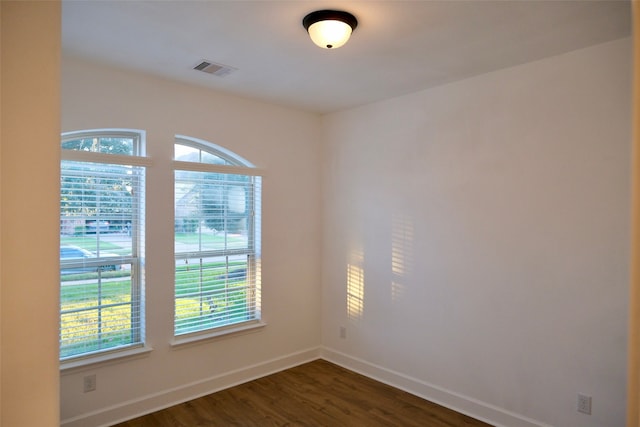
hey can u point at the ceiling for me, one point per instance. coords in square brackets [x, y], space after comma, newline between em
[399, 47]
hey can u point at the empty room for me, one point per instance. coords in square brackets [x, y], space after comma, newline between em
[200, 194]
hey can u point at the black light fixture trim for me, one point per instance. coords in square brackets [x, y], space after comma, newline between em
[327, 15]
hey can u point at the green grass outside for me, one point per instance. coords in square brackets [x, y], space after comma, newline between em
[211, 240]
[90, 243]
[202, 297]
[92, 275]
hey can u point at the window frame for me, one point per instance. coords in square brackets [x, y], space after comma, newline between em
[234, 165]
[137, 161]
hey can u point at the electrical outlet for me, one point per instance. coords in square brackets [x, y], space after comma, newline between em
[584, 404]
[343, 332]
[89, 383]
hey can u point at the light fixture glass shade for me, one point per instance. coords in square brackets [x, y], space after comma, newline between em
[330, 34]
[329, 29]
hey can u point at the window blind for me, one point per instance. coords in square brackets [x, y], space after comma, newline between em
[101, 229]
[216, 247]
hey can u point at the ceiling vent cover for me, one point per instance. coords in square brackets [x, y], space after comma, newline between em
[210, 67]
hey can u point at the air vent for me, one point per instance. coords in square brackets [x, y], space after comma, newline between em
[212, 68]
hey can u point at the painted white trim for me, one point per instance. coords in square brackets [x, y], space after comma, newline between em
[465, 405]
[92, 361]
[114, 159]
[164, 399]
[208, 167]
[161, 400]
[224, 332]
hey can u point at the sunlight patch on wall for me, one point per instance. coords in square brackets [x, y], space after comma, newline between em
[401, 252]
[257, 295]
[355, 286]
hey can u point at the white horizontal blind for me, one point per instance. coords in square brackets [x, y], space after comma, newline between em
[101, 235]
[216, 249]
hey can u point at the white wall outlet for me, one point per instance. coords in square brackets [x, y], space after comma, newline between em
[343, 332]
[584, 404]
[89, 383]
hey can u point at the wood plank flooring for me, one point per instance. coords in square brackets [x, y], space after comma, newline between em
[317, 393]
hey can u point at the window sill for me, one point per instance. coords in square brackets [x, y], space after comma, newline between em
[183, 340]
[116, 356]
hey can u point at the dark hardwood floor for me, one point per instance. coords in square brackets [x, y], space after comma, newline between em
[318, 393]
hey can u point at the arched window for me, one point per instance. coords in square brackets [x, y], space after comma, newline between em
[217, 239]
[101, 241]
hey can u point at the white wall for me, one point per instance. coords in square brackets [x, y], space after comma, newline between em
[282, 141]
[480, 227]
[484, 224]
[29, 202]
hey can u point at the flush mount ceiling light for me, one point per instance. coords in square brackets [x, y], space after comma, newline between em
[329, 29]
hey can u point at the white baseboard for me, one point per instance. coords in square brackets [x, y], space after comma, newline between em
[459, 403]
[164, 399]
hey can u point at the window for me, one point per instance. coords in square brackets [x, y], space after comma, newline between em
[217, 239]
[102, 187]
